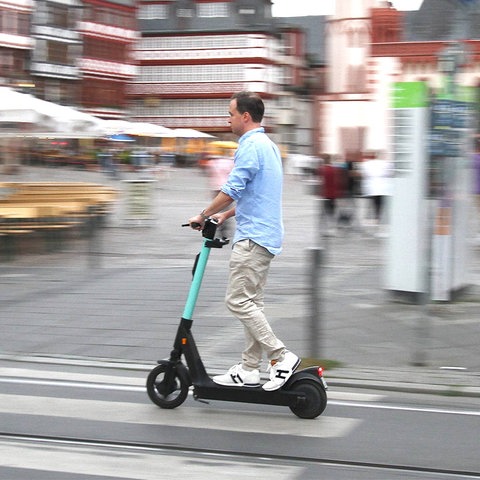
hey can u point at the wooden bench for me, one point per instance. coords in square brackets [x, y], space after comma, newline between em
[51, 208]
[33, 211]
[75, 201]
[14, 231]
[8, 227]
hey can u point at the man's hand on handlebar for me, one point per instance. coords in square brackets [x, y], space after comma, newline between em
[220, 217]
[197, 222]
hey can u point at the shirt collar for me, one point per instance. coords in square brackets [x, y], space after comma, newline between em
[250, 133]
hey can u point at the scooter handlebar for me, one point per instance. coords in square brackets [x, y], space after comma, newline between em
[209, 228]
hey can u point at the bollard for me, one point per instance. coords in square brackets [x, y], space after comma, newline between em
[422, 329]
[94, 239]
[315, 256]
[421, 334]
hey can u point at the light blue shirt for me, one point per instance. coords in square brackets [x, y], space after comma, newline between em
[255, 183]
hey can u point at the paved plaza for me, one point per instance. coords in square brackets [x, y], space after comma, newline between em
[118, 297]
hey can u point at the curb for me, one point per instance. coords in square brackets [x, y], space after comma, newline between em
[405, 387]
[442, 381]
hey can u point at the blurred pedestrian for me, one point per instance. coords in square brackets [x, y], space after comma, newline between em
[353, 188]
[332, 187]
[376, 184]
[218, 168]
[255, 184]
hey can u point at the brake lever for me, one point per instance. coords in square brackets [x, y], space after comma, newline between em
[193, 225]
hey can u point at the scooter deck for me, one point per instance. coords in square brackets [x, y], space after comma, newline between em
[212, 391]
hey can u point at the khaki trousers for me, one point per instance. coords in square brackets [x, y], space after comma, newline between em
[249, 265]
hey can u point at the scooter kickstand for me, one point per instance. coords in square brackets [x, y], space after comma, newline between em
[200, 400]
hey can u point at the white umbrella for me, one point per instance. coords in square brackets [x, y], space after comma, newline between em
[115, 127]
[190, 133]
[16, 107]
[42, 118]
[145, 129]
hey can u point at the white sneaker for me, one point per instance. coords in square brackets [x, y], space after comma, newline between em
[238, 377]
[280, 372]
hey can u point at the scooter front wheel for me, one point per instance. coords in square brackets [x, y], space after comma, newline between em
[315, 399]
[167, 388]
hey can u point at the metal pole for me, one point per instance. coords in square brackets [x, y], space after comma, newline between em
[94, 239]
[315, 256]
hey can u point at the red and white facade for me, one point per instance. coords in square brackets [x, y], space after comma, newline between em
[365, 56]
[15, 41]
[354, 107]
[184, 80]
[107, 64]
[71, 52]
[186, 77]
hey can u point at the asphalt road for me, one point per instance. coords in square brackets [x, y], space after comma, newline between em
[74, 422]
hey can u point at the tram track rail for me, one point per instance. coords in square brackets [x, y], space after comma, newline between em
[164, 448]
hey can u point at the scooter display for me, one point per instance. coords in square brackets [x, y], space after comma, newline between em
[168, 384]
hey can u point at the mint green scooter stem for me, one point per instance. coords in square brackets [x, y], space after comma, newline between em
[197, 280]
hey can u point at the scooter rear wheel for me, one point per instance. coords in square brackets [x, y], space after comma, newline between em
[166, 393]
[315, 399]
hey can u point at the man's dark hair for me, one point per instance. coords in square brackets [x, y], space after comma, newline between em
[250, 102]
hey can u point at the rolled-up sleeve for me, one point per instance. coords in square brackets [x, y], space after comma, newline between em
[245, 168]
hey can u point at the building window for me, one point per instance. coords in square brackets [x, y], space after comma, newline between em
[153, 11]
[108, 16]
[191, 73]
[14, 23]
[203, 42]
[100, 49]
[59, 16]
[102, 93]
[211, 10]
[57, 52]
[56, 15]
[52, 15]
[184, 13]
[187, 108]
[23, 24]
[6, 62]
[8, 22]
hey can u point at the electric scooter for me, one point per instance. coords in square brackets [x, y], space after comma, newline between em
[168, 383]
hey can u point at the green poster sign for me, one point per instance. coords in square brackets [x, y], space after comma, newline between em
[410, 95]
